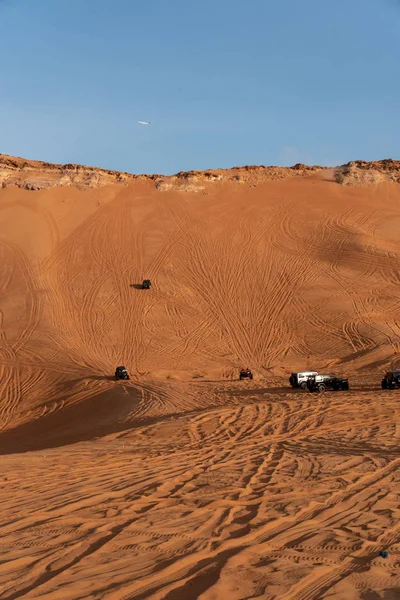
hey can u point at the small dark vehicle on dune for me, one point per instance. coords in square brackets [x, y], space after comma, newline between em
[146, 284]
[121, 373]
[245, 374]
[391, 380]
[321, 383]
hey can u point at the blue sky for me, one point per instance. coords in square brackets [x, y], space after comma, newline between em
[223, 82]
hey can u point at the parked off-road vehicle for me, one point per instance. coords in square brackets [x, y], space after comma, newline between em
[321, 383]
[299, 379]
[121, 373]
[391, 380]
[245, 374]
[146, 284]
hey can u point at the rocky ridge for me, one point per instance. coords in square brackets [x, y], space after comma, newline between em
[38, 175]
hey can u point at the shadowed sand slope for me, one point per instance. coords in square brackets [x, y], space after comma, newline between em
[183, 482]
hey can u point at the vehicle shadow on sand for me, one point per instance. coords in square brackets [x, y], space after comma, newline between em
[67, 386]
[279, 391]
[85, 418]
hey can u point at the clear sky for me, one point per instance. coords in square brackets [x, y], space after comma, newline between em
[223, 82]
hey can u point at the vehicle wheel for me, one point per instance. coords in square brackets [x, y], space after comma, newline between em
[303, 385]
[398, 380]
[321, 387]
[251, 376]
[346, 387]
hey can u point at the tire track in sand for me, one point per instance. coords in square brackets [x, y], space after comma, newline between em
[190, 565]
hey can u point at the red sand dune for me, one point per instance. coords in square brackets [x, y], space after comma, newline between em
[183, 482]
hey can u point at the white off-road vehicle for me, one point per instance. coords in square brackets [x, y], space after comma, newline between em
[299, 380]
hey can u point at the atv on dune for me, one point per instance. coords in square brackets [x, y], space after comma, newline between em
[121, 373]
[391, 380]
[245, 374]
[146, 284]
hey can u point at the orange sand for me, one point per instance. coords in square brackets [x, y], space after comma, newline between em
[183, 482]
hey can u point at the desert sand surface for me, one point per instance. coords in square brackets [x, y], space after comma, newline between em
[183, 482]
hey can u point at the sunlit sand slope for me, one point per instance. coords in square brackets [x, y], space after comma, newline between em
[183, 482]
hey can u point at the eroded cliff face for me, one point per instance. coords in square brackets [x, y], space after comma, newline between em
[38, 175]
[377, 171]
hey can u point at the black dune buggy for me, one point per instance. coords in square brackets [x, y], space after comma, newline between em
[121, 373]
[391, 380]
[245, 374]
[146, 284]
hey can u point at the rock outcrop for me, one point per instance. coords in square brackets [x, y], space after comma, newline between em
[38, 175]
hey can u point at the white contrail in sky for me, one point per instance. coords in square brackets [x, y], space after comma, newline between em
[144, 122]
